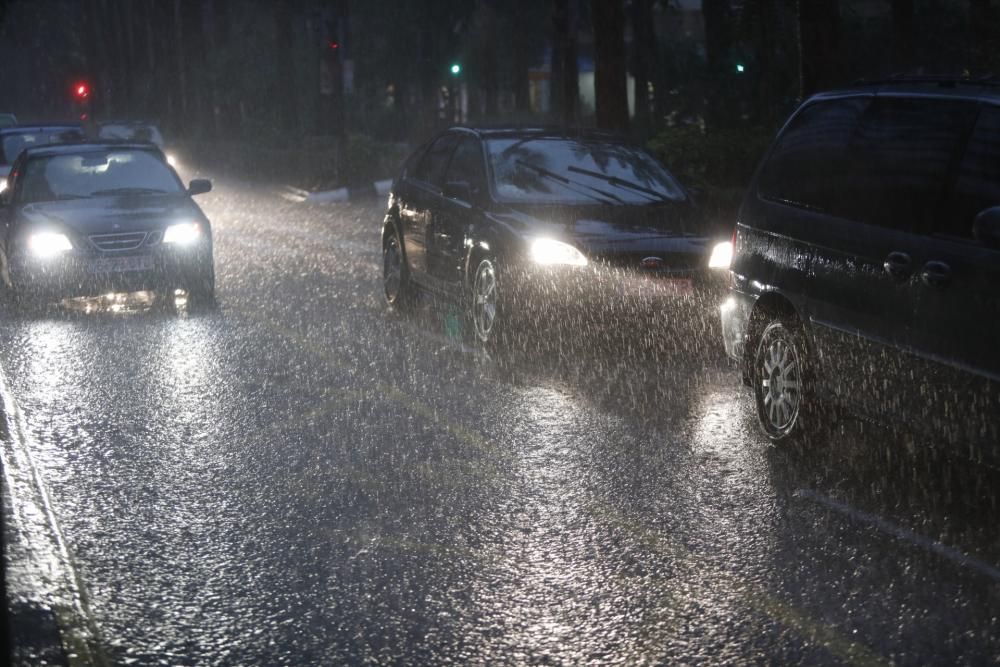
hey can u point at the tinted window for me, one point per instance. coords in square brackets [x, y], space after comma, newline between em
[550, 170]
[467, 165]
[977, 182]
[435, 161]
[900, 160]
[807, 165]
[96, 174]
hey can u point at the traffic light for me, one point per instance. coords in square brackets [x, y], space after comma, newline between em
[81, 91]
[740, 68]
[456, 69]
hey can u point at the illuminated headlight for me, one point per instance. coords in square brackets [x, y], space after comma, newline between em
[171, 159]
[48, 244]
[722, 255]
[3, 183]
[550, 252]
[184, 233]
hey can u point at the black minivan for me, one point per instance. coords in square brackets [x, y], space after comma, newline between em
[866, 265]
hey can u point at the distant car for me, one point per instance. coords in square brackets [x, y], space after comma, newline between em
[134, 131]
[13, 140]
[508, 221]
[867, 265]
[7, 120]
[86, 219]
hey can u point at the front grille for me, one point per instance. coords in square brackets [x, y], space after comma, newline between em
[112, 242]
[673, 263]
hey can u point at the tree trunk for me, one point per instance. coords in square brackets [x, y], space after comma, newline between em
[287, 105]
[902, 35]
[181, 73]
[610, 77]
[819, 41]
[565, 83]
[981, 20]
[644, 59]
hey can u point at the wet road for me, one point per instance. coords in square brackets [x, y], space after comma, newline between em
[301, 477]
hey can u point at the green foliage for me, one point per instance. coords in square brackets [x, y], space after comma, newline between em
[719, 157]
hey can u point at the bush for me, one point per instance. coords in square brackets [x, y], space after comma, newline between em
[716, 158]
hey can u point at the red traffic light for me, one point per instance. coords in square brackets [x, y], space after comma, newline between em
[81, 90]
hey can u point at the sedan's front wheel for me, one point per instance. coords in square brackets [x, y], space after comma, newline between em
[484, 306]
[786, 406]
[395, 277]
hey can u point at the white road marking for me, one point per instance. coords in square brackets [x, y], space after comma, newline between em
[901, 533]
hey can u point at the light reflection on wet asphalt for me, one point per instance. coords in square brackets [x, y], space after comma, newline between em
[301, 477]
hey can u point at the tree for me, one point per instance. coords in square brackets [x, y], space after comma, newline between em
[902, 35]
[565, 85]
[643, 60]
[982, 21]
[819, 43]
[610, 78]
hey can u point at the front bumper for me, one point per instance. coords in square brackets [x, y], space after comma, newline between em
[74, 273]
[735, 311]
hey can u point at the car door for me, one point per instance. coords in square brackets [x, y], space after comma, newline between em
[958, 312]
[422, 194]
[456, 211]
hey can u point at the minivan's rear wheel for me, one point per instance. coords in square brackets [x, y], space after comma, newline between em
[395, 278]
[781, 382]
[484, 306]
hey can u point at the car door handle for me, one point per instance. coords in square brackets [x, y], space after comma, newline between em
[936, 274]
[898, 264]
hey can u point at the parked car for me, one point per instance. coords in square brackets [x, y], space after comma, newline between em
[136, 131]
[512, 221]
[86, 219]
[13, 140]
[866, 264]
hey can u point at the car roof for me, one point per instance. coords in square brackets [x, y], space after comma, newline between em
[985, 89]
[88, 147]
[24, 129]
[538, 131]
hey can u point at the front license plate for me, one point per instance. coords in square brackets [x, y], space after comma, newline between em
[122, 264]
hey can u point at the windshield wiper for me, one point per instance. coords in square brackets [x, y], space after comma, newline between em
[129, 191]
[620, 182]
[595, 193]
[70, 195]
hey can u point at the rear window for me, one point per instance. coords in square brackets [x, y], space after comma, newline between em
[16, 142]
[131, 132]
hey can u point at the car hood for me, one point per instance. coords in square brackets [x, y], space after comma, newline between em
[653, 229]
[98, 215]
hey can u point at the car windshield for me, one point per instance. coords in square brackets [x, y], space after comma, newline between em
[131, 132]
[15, 142]
[555, 170]
[92, 174]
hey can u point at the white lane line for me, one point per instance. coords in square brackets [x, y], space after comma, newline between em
[901, 533]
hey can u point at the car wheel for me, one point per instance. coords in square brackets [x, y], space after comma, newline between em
[781, 377]
[201, 289]
[484, 302]
[395, 276]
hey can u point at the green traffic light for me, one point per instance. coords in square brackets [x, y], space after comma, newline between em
[740, 68]
[456, 69]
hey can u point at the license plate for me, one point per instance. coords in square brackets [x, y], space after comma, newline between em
[122, 264]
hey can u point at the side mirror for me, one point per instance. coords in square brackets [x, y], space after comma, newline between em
[460, 190]
[199, 186]
[986, 227]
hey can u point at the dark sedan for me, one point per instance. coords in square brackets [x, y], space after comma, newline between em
[504, 221]
[86, 219]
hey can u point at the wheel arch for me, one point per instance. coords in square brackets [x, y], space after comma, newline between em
[768, 307]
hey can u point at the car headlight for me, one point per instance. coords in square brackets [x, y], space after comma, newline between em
[171, 159]
[550, 252]
[48, 244]
[3, 183]
[722, 255]
[184, 233]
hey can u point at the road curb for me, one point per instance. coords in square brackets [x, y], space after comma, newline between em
[45, 597]
[378, 188]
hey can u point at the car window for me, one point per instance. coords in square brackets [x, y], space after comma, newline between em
[16, 142]
[977, 181]
[900, 159]
[131, 132]
[108, 173]
[435, 161]
[807, 165]
[467, 165]
[561, 170]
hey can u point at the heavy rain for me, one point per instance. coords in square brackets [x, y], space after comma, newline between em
[477, 332]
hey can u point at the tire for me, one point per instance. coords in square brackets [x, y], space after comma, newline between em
[396, 286]
[781, 375]
[201, 289]
[485, 310]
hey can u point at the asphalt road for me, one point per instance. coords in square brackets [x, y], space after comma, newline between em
[302, 477]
